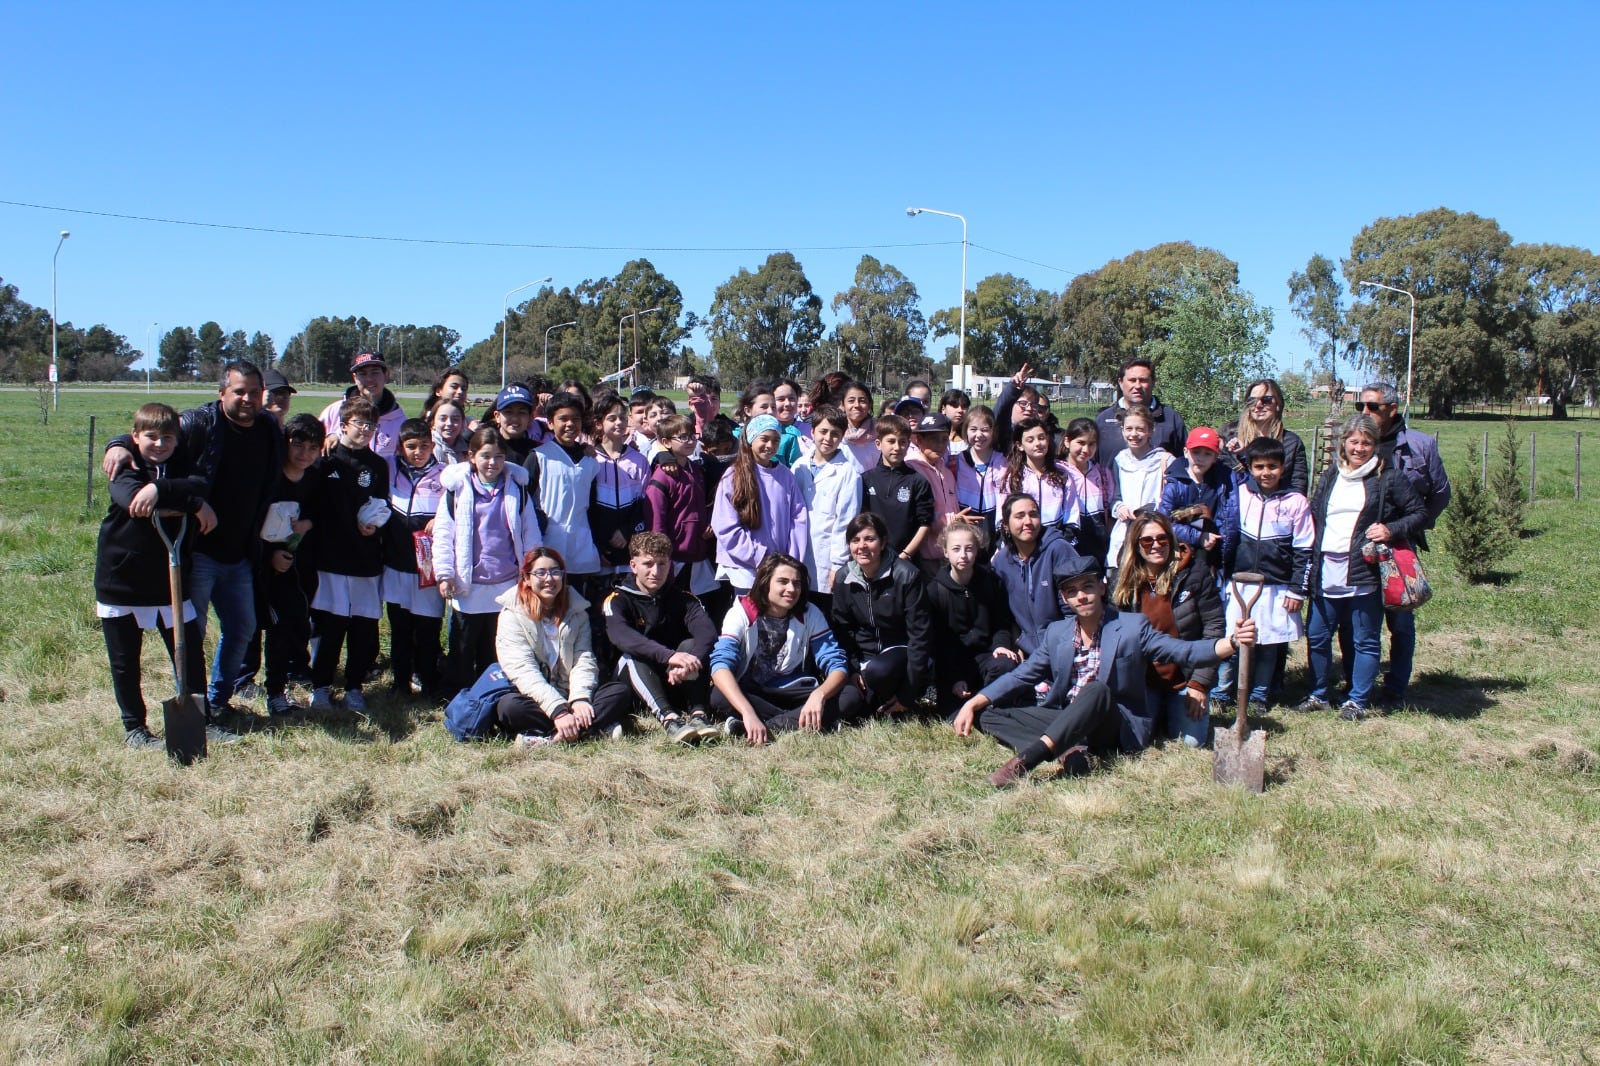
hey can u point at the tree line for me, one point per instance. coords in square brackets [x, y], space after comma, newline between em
[1493, 318]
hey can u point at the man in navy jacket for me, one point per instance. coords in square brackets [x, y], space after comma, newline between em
[1094, 661]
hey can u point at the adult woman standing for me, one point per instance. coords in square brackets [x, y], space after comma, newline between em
[1358, 501]
[543, 643]
[1263, 417]
[1158, 577]
[882, 619]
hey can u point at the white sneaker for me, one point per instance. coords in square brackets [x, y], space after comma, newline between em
[614, 733]
[322, 699]
[354, 700]
[525, 741]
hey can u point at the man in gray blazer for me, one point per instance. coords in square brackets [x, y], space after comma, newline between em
[1094, 661]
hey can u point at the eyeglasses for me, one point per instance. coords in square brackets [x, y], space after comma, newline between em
[1263, 401]
[364, 427]
[547, 574]
[679, 437]
[1368, 405]
[1159, 540]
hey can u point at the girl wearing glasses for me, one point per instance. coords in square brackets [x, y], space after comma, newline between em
[1159, 578]
[1263, 417]
[543, 643]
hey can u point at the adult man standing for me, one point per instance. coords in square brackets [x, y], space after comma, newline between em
[1136, 384]
[371, 376]
[239, 449]
[1416, 456]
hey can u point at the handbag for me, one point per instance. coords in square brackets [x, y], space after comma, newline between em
[1405, 586]
[1400, 577]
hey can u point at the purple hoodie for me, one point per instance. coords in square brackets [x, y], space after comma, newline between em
[785, 525]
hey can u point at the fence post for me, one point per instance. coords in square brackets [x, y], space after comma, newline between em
[1533, 462]
[1483, 464]
[1577, 468]
[88, 486]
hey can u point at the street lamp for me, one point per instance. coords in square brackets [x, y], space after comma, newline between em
[961, 351]
[505, 309]
[155, 327]
[55, 374]
[1411, 336]
[380, 341]
[558, 325]
[620, 321]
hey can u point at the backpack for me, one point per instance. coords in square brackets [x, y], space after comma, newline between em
[470, 716]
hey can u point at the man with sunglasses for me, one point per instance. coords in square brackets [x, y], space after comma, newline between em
[1136, 384]
[1416, 456]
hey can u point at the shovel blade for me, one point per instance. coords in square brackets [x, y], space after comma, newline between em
[183, 719]
[1241, 763]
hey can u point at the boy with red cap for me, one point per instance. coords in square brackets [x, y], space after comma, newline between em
[371, 376]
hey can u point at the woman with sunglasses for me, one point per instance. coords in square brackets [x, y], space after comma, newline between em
[1158, 577]
[543, 642]
[1263, 417]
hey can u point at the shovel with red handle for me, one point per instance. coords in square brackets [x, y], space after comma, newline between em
[1241, 753]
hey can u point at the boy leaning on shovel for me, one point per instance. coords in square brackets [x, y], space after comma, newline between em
[1094, 661]
[130, 567]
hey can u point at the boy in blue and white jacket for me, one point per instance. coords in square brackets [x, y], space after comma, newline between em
[1267, 529]
[416, 613]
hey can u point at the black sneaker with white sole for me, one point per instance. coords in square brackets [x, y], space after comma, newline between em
[141, 739]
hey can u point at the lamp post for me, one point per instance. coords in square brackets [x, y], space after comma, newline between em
[380, 340]
[155, 327]
[620, 321]
[505, 310]
[558, 325]
[1411, 336]
[55, 374]
[961, 351]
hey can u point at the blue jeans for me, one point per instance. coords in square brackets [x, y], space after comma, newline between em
[1266, 674]
[1364, 615]
[1170, 709]
[1402, 650]
[230, 588]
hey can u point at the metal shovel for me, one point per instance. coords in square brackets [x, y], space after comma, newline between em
[184, 716]
[1241, 753]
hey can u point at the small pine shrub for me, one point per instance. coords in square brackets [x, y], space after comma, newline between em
[1505, 486]
[1473, 534]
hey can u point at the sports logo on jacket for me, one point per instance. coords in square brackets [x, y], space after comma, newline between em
[364, 479]
[903, 494]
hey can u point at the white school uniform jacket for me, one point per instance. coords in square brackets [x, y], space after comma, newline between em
[832, 491]
[564, 492]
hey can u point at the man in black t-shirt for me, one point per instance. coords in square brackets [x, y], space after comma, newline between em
[239, 449]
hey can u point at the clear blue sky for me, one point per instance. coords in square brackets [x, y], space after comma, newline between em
[1269, 132]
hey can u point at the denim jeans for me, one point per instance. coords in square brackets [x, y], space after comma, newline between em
[230, 588]
[1402, 650]
[1364, 614]
[1170, 711]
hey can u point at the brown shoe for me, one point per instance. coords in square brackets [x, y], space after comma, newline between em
[1075, 761]
[1010, 774]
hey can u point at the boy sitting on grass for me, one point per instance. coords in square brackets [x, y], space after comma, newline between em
[663, 639]
[130, 567]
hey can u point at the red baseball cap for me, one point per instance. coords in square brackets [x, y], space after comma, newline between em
[1204, 437]
[367, 359]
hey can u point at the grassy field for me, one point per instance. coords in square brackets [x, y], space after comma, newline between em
[1416, 888]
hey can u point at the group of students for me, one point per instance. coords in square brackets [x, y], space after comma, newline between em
[811, 562]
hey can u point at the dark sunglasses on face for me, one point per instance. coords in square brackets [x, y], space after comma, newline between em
[1151, 542]
[1263, 401]
[1368, 405]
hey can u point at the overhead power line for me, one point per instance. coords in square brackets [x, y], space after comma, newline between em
[461, 243]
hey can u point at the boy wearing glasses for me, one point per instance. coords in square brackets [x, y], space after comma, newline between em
[354, 504]
[1267, 529]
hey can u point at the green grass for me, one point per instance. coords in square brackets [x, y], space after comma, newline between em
[1418, 888]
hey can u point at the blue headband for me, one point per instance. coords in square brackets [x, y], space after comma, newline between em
[762, 424]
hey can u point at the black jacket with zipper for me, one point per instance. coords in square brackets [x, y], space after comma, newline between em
[889, 611]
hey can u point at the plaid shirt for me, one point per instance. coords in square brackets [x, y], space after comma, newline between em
[1085, 665]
